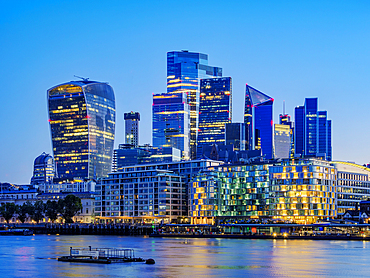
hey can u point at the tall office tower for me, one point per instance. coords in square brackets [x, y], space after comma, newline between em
[215, 110]
[82, 119]
[132, 128]
[285, 120]
[282, 141]
[184, 70]
[258, 121]
[235, 135]
[171, 122]
[312, 131]
[43, 169]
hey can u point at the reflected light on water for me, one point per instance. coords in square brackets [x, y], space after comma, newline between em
[23, 256]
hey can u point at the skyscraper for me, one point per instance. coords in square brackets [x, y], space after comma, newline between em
[312, 131]
[43, 169]
[285, 120]
[184, 70]
[282, 141]
[215, 110]
[171, 122]
[82, 120]
[258, 121]
[132, 128]
[235, 135]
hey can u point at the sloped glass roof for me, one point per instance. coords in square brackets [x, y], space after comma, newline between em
[257, 97]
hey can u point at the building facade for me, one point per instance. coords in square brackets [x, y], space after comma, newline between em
[302, 190]
[229, 191]
[353, 185]
[312, 131]
[127, 155]
[171, 122]
[43, 170]
[282, 141]
[132, 128]
[284, 119]
[82, 122]
[148, 192]
[184, 70]
[258, 119]
[215, 111]
[235, 135]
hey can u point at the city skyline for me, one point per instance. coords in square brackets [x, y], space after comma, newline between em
[297, 51]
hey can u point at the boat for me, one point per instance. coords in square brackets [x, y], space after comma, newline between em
[103, 256]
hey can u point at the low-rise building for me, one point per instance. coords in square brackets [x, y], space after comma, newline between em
[148, 192]
[302, 190]
[353, 185]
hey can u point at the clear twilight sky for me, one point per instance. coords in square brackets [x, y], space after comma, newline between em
[287, 49]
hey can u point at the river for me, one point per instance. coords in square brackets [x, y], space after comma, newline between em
[35, 256]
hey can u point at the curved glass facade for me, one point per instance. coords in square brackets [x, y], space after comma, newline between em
[82, 121]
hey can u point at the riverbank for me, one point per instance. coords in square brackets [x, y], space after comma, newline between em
[286, 237]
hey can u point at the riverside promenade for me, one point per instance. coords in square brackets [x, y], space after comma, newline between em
[323, 231]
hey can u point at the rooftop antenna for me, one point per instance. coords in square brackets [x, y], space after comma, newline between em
[83, 78]
[283, 107]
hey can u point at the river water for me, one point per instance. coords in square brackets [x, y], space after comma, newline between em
[35, 256]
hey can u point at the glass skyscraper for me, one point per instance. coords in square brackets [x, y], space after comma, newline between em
[132, 128]
[258, 121]
[285, 120]
[215, 110]
[184, 70]
[82, 121]
[312, 131]
[171, 122]
[235, 135]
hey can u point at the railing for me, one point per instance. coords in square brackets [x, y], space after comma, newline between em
[102, 252]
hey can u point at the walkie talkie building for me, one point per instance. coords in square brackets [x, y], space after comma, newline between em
[82, 122]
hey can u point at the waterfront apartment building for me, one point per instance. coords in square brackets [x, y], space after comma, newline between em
[132, 128]
[258, 119]
[292, 190]
[43, 169]
[302, 190]
[184, 71]
[148, 192]
[171, 122]
[215, 111]
[82, 122]
[229, 192]
[312, 131]
[353, 185]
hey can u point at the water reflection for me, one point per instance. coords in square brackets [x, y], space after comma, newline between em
[35, 257]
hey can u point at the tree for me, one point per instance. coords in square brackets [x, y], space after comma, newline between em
[37, 212]
[7, 211]
[51, 210]
[69, 207]
[24, 211]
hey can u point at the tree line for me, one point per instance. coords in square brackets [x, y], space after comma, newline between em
[66, 208]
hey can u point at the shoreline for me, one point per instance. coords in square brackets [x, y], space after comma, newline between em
[240, 236]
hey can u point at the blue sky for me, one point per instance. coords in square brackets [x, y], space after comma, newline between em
[287, 49]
